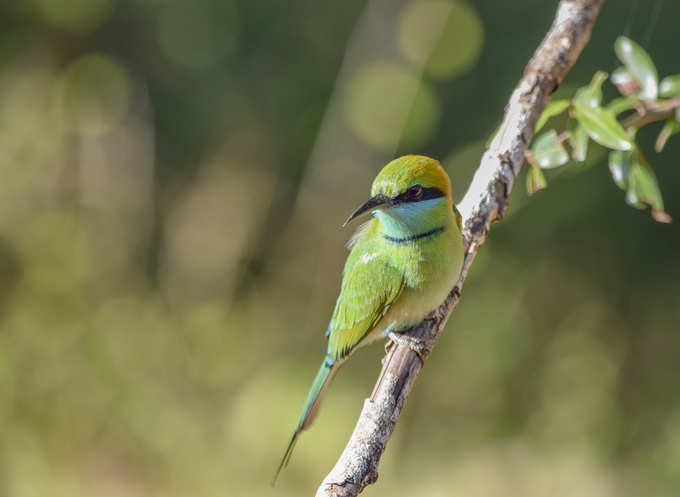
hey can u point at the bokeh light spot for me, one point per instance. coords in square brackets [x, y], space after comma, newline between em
[95, 93]
[78, 16]
[445, 51]
[387, 102]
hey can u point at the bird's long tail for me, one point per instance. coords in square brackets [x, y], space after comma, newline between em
[314, 397]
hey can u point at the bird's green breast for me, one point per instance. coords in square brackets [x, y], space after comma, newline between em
[428, 251]
[401, 267]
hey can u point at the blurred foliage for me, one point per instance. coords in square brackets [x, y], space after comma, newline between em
[174, 179]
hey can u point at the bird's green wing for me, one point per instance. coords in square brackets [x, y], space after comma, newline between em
[369, 286]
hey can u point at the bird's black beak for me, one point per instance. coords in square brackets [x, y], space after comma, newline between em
[367, 206]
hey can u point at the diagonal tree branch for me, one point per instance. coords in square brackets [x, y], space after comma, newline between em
[484, 203]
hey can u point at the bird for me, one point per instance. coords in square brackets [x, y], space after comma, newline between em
[402, 264]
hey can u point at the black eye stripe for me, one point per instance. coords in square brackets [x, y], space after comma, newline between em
[427, 194]
[431, 192]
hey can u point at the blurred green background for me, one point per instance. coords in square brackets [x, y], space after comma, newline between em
[174, 177]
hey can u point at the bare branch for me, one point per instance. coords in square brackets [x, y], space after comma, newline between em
[484, 202]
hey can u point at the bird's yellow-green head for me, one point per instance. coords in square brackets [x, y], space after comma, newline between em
[410, 170]
[405, 181]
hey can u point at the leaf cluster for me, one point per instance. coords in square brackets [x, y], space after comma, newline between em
[643, 100]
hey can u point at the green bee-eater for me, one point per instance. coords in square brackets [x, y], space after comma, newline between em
[401, 266]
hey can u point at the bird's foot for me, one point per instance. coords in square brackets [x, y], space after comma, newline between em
[415, 344]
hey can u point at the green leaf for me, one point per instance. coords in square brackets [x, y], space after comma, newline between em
[620, 163]
[643, 188]
[548, 152]
[578, 139]
[535, 180]
[624, 81]
[602, 126]
[640, 65]
[554, 108]
[670, 86]
[670, 128]
[592, 94]
[621, 104]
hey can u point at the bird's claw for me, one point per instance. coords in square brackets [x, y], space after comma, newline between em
[415, 344]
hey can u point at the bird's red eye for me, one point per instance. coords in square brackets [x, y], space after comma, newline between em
[415, 191]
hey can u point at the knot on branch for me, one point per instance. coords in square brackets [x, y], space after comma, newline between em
[348, 488]
[543, 81]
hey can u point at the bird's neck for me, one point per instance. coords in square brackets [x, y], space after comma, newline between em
[415, 220]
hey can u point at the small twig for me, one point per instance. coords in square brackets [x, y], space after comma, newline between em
[484, 202]
[529, 157]
[563, 136]
[651, 112]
